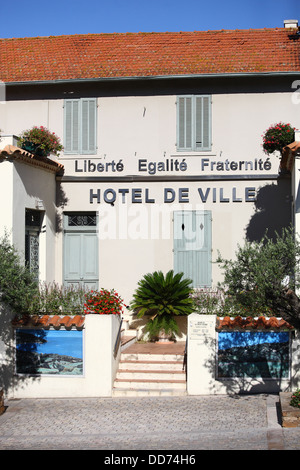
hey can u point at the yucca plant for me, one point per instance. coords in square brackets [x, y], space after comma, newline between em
[162, 297]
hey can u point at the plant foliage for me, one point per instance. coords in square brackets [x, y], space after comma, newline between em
[278, 136]
[263, 274]
[295, 400]
[103, 302]
[208, 301]
[164, 323]
[163, 295]
[47, 142]
[54, 299]
[18, 286]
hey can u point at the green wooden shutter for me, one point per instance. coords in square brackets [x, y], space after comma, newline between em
[71, 141]
[185, 122]
[192, 246]
[202, 122]
[88, 126]
[81, 259]
[194, 122]
[72, 258]
[80, 126]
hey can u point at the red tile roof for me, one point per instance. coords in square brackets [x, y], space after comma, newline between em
[46, 321]
[260, 323]
[94, 56]
[15, 153]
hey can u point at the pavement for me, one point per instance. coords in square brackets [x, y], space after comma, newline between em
[155, 425]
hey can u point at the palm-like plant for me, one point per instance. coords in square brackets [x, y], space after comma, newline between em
[162, 297]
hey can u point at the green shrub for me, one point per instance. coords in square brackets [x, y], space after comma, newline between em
[18, 286]
[257, 279]
[161, 297]
[54, 299]
[208, 301]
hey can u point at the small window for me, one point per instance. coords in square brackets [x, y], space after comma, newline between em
[81, 220]
[33, 222]
[194, 122]
[80, 126]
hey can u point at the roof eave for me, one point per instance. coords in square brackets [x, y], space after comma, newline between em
[157, 77]
[13, 153]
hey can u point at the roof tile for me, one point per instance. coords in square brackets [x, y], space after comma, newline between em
[10, 151]
[259, 323]
[95, 56]
[44, 321]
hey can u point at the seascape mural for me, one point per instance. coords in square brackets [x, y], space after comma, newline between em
[54, 352]
[253, 354]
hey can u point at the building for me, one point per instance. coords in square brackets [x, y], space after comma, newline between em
[163, 165]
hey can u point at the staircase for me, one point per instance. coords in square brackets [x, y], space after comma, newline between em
[151, 369]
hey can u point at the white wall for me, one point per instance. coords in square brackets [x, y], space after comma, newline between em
[32, 184]
[202, 363]
[6, 207]
[100, 332]
[131, 128]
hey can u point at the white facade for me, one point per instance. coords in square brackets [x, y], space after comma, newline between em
[137, 173]
[158, 173]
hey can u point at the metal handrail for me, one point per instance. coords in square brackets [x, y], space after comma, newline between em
[184, 365]
[118, 339]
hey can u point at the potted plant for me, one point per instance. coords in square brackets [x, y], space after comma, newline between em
[103, 302]
[40, 141]
[278, 136]
[162, 297]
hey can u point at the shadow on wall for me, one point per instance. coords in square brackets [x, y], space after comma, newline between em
[244, 382]
[273, 211]
[8, 377]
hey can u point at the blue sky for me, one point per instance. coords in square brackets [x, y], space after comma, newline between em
[31, 18]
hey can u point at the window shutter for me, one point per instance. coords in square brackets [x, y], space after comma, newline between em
[194, 123]
[89, 126]
[80, 126]
[185, 122]
[71, 126]
[202, 122]
[192, 246]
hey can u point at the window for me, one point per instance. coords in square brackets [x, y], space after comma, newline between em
[80, 126]
[192, 246]
[194, 122]
[33, 222]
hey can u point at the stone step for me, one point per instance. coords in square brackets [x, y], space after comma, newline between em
[151, 370]
[146, 392]
[141, 374]
[151, 357]
[151, 365]
[150, 384]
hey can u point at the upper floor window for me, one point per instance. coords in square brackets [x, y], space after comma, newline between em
[194, 122]
[80, 126]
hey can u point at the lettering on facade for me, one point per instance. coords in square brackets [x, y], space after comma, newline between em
[87, 166]
[204, 165]
[170, 195]
[241, 165]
